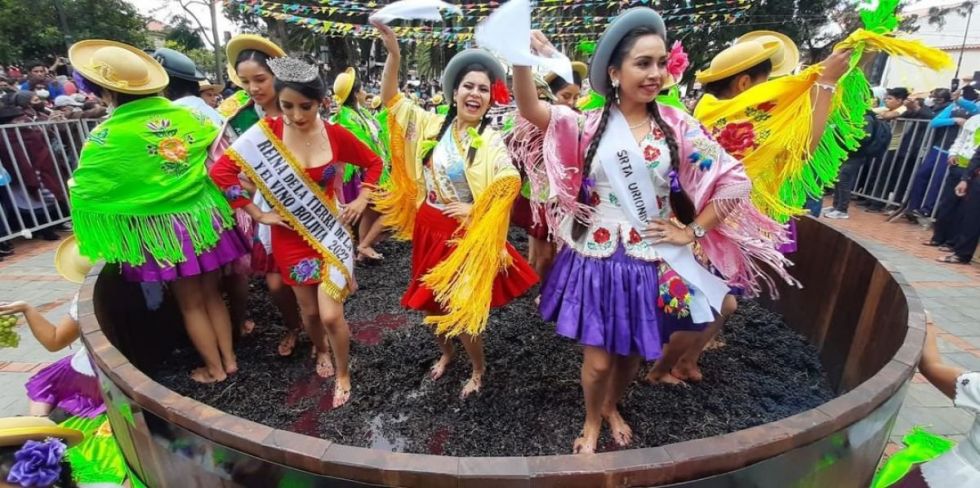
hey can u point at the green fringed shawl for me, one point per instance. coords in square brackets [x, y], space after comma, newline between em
[359, 124]
[920, 447]
[141, 171]
[97, 459]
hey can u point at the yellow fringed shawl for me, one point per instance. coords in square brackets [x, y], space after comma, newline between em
[906, 48]
[463, 282]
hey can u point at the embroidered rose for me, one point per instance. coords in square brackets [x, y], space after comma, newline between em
[172, 149]
[601, 235]
[594, 199]
[651, 154]
[635, 237]
[677, 288]
[677, 60]
[306, 270]
[737, 138]
[661, 201]
[37, 463]
[766, 107]
[432, 197]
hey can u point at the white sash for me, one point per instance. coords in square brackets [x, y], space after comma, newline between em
[285, 185]
[624, 165]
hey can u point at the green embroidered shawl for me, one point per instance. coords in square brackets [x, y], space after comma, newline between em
[141, 171]
[368, 131]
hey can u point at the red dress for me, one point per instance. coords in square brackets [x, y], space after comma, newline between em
[298, 263]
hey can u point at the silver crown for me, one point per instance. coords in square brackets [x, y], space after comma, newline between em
[292, 69]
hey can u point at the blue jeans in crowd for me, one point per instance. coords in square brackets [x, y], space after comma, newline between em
[928, 181]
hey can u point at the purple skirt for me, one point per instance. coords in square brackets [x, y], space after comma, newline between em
[352, 189]
[610, 303]
[790, 247]
[232, 244]
[61, 386]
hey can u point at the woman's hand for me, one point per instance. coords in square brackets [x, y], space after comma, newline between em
[14, 307]
[666, 232]
[541, 45]
[458, 210]
[835, 66]
[388, 37]
[353, 211]
[272, 218]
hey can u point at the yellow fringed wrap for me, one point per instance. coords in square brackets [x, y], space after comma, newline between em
[463, 282]
[906, 48]
[783, 154]
[396, 200]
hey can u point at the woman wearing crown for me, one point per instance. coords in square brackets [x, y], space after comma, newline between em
[291, 161]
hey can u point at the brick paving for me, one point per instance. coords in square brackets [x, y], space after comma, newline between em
[951, 294]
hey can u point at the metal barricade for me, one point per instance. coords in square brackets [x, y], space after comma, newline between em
[911, 172]
[39, 158]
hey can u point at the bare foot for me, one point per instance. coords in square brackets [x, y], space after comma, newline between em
[341, 392]
[369, 254]
[231, 365]
[537, 300]
[324, 366]
[656, 378]
[202, 375]
[248, 327]
[714, 344]
[622, 434]
[687, 372]
[472, 386]
[288, 343]
[440, 367]
[587, 441]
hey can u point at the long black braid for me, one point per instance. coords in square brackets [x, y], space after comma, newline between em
[578, 227]
[680, 202]
[446, 124]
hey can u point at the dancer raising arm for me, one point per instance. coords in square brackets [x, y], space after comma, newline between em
[451, 189]
[292, 160]
[635, 185]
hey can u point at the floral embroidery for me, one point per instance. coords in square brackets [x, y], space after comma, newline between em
[594, 199]
[99, 136]
[234, 192]
[601, 235]
[432, 197]
[613, 200]
[704, 154]
[738, 138]
[306, 271]
[169, 146]
[767, 106]
[327, 176]
[635, 237]
[658, 134]
[674, 296]
[651, 155]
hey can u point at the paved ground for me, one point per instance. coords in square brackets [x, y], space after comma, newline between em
[951, 293]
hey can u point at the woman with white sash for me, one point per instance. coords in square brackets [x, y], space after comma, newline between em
[635, 188]
[291, 161]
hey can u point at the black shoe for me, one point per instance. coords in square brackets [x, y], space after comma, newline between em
[49, 235]
[6, 249]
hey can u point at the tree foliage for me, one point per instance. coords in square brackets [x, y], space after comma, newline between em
[31, 29]
[184, 34]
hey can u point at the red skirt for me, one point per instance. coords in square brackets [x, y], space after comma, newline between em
[430, 245]
[520, 216]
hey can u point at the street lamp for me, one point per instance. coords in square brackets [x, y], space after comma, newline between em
[959, 62]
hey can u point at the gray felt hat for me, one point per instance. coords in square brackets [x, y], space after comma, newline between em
[462, 59]
[178, 64]
[615, 31]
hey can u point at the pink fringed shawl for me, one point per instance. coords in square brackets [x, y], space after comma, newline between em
[739, 247]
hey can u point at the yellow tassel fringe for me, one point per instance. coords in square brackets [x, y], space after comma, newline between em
[396, 200]
[463, 282]
[906, 48]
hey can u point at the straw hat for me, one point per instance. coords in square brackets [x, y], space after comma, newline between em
[343, 84]
[615, 31]
[376, 102]
[786, 59]
[750, 50]
[15, 431]
[244, 42]
[118, 67]
[437, 99]
[205, 85]
[71, 265]
[577, 67]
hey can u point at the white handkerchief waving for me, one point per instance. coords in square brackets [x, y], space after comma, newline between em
[507, 32]
[414, 10]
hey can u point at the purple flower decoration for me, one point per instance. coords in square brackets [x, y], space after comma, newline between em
[38, 463]
[327, 176]
[306, 270]
[235, 192]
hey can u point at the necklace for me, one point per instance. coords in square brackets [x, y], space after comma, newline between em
[640, 124]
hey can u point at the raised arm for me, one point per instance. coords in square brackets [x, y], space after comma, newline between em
[535, 111]
[389, 78]
[52, 337]
[823, 95]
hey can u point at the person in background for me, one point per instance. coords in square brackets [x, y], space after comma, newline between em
[875, 143]
[968, 231]
[71, 108]
[907, 136]
[38, 75]
[210, 93]
[184, 85]
[6, 86]
[873, 180]
[950, 213]
[929, 176]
